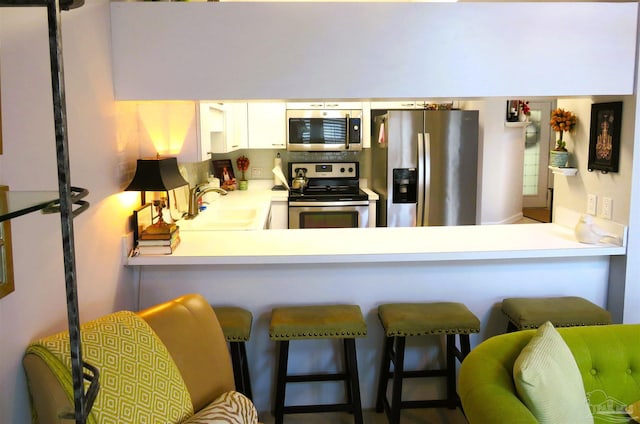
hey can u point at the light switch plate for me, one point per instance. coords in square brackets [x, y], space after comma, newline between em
[607, 207]
[592, 201]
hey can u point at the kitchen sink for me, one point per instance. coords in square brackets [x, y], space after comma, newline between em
[222, 219]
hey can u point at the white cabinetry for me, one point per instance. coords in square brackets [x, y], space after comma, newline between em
[223, 127]
[237, 132]
[279, 215]
[267, 125]
[324, 105]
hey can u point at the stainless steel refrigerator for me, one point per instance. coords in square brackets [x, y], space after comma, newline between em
[425, 166]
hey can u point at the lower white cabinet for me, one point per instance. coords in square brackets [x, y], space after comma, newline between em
[279, 215]
[267, 125]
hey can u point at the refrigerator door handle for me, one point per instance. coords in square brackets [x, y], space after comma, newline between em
[424, 178]
[421, 165]
[427, 177]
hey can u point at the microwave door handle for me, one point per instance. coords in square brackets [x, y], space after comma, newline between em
[346, 143]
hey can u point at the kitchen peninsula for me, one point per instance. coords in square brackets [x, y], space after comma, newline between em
[477, 265]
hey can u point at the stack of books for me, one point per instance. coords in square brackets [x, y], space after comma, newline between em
[159, 240]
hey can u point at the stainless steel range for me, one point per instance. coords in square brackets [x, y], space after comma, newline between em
[327, 195]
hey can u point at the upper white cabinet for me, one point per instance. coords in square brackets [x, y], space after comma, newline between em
[267, 125]
[222, 128]
[238, 134]
[325, 105]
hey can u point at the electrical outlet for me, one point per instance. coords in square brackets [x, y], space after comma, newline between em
[592, 201]
[607, 207]
[256, 172]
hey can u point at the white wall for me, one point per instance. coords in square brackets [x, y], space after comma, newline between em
[571, 192]
[38, 305]
[501, 158]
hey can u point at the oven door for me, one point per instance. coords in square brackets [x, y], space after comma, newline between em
[324, 130]
[351, 214]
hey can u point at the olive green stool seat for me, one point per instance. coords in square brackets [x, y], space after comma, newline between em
[236, 327]
[402, 320]
[569, 311]
[318, 322]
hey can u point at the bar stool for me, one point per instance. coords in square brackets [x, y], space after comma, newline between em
[318, 322]
[402, 320]
[569, 311]
[236, 327]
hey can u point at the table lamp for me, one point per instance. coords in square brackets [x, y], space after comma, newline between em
[156, 174]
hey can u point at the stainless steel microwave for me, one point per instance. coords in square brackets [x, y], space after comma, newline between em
[324, 130]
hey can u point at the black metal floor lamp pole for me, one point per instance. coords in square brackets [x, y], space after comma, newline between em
[66, 217]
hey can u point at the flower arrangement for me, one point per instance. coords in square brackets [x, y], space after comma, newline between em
[523, 106]
[562, 121]
[243, 165]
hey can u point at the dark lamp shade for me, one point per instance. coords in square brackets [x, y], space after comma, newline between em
[156, 175]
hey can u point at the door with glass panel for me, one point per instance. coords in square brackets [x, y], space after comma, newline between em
[536, 173]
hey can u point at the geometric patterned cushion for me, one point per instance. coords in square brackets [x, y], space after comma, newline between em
[229, 408]
[139, 381]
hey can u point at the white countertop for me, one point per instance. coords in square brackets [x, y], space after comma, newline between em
[348, 245]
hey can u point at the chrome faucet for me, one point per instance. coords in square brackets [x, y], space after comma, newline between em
[196, 194]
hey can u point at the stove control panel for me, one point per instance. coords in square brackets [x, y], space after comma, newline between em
[326, 169]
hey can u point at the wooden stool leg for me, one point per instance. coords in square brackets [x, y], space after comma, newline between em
[246, 380]
[452, 394]
[383, 380]
[465, 345]
[347, 370]
[283, 357]
[352, 367]
[236, 362]
[398, 371]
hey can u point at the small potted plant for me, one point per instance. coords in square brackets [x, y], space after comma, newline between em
[561, 121]
[523, 110]
[243, 166]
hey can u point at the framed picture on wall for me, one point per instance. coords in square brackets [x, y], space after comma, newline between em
[6, 256]
[604, 137]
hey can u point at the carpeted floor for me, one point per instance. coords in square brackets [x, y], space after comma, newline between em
[538, 214]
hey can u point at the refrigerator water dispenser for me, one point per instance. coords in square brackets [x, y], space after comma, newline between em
[405, 185]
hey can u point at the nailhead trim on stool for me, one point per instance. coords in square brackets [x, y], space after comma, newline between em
[402, 320]
[568, 311]
[318, 322]
[236, 327]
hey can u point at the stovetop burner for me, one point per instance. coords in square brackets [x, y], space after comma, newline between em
[327, 181]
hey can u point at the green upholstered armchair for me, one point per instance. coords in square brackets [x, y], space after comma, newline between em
[607, 356]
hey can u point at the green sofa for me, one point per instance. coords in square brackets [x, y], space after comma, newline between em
[607, 356]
